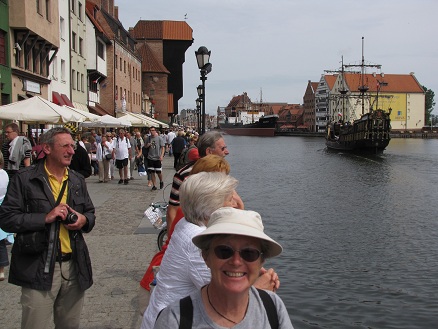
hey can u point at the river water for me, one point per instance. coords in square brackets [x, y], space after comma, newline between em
[360, 234]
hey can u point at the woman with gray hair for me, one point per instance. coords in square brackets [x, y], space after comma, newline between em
[183, 269]
[234, 247]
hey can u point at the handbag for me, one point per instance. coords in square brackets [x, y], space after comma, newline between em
[35, 242]
[108, 156]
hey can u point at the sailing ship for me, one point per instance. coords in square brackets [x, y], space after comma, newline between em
[368, 133]
[252, 120]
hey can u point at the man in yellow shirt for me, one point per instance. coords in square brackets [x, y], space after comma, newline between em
[49, 208]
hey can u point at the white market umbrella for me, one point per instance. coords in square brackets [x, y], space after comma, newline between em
[106, 121]
[40, 110]
[135, 120]
[153, 122]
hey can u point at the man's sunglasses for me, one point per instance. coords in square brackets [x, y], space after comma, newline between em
[247, 254]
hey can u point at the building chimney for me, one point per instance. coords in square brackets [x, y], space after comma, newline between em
[116, 12]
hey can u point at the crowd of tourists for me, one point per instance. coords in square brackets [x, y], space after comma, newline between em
[209, 273]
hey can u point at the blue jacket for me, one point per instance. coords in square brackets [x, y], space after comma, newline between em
[28, 200]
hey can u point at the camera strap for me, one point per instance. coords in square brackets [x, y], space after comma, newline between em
[54, 228]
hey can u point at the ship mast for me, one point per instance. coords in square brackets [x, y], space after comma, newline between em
[363, 88]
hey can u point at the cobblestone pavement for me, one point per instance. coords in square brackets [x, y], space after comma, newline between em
[119, 254]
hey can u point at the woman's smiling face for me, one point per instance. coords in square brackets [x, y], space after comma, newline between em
[233, 275]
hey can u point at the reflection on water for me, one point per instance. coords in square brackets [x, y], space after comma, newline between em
[360, 234]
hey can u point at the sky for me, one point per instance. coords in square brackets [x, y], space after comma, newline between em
[271, 49]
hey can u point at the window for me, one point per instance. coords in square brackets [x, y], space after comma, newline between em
[38, 6]
[120, 63]
[55, 68]
[2, 47]
[80, 46]
[48, 11]
[82, 82]
[80, 11]
[73, 41]
[62, 27]
[116, 61]
[78, 81]
[72, 6]
[73, 76]
[62, 70]
[101, 51]
[124, 66]
[93, 85]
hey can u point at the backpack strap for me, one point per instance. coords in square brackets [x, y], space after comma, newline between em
[185, 313]
[271, 310]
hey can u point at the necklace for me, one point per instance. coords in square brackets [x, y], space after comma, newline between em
[214, 308]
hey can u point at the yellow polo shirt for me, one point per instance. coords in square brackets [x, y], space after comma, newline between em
[56, 189]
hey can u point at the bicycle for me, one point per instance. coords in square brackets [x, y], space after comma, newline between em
[156, 214]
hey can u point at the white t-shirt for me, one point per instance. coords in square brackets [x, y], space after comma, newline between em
[121, 146]
[182, 271]
[170, 136]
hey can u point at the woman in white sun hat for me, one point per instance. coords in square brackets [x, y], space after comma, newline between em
[234, 247]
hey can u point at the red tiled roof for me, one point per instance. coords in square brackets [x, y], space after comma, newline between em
[149, 61]
[330, 79]
[314, 85]
[162, 30]
[396, 83]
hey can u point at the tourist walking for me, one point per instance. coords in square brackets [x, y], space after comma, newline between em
[170, 137]
[178, 145]
[131, 162]
[155, 156]
[104, 164]
[121, 148]
[17, 150]
[50, 259]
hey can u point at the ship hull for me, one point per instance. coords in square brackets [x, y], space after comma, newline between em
[369, 134]
[265, 127]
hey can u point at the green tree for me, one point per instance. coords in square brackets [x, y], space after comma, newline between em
[430, 103]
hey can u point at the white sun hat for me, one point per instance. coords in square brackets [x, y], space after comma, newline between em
[228, 220]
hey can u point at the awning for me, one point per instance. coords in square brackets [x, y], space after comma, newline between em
[57, 99]
[66, 100]
[153, 121]
[135, 120]
[106, 121]
[88, 116]
[97, 110]
[80, 106]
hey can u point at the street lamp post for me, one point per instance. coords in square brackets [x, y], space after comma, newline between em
[204, 65]
[198, 113]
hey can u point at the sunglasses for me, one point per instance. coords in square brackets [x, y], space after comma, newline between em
[247, 254]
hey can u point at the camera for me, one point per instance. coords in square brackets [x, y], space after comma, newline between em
[71, 218]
